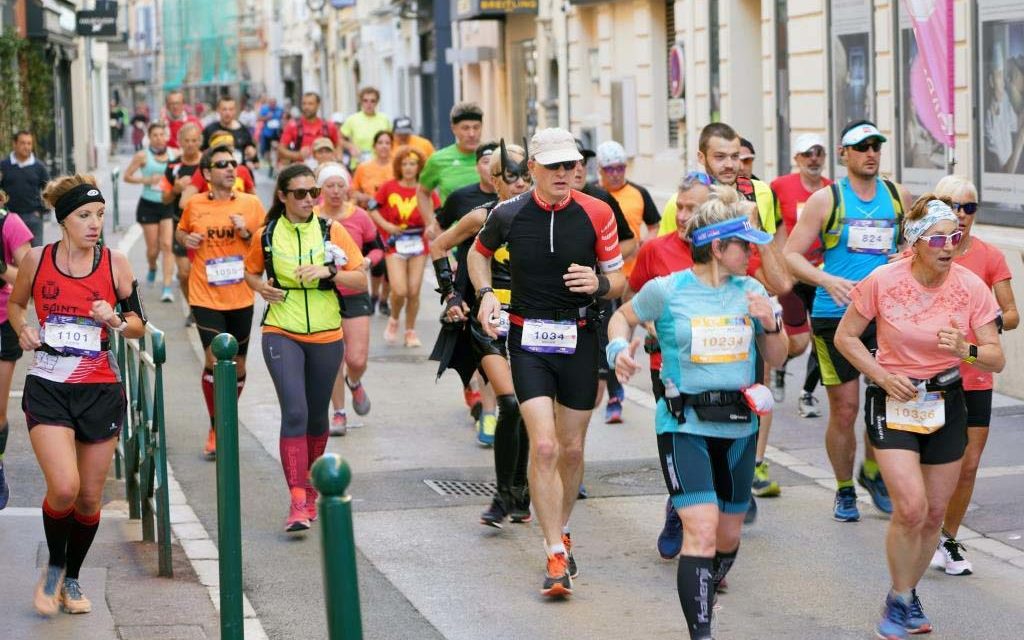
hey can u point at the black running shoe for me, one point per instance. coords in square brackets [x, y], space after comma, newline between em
[520, 511]
[494, 515]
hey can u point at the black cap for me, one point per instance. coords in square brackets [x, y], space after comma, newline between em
[402, 124]
[748, 144]
[586, 153]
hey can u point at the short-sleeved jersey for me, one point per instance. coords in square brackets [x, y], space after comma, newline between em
[448, 169]
[243, 181]
[792, 195]
[675, 304]
[640, 211]
[989, 264]
[363, 233]
[241, 135]
[621, 224]
[910, 315]
[221, 241]
[360, 129]
[175, 170]
[662, 256]
[175, 125]
[369, 176]
[543, 240]
[399, 205]
[14, 234]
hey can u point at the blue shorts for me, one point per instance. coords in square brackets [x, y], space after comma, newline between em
[705, 470]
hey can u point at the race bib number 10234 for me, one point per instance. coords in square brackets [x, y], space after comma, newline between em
[716, 339]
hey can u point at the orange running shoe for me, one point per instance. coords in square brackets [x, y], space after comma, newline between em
[557, 583]
[210, 450]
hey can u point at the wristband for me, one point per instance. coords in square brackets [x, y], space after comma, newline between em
[778, 327]
[443, 271]
[613, 350]
[483, 290]
[604, 285]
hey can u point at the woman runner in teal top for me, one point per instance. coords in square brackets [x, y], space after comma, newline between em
[708, 319]
[147, 168]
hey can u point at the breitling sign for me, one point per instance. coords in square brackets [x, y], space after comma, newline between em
[472, 9]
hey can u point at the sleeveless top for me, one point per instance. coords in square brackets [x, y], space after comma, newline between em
[152, 167]
[75, 347]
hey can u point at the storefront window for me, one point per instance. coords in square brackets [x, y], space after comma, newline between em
[1000, 96]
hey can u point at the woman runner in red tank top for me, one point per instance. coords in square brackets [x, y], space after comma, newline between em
[73, 399]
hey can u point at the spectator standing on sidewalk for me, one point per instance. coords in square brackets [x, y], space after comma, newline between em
[73, 398]
[15, 241]
[22, 177]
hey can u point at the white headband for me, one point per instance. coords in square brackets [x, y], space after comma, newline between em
[937, 212]
[331, 171]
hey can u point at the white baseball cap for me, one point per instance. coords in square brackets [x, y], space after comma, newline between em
[860, 133]
[610, 153]
[807, 141]
[549, 146]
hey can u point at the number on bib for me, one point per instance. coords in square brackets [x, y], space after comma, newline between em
[74, 335]
[225, 271]
[870, 236]
[716, 339]
[502, 327]
[926, 414]
[409, 246]
[549, 336]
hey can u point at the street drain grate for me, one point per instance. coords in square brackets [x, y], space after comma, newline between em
[462, 488]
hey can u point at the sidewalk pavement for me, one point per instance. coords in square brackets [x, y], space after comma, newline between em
[120, 576]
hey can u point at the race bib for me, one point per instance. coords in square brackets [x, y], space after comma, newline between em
[926, 414]
[549, 336]
[717, 339]
[870, 236]
[502, 327]
[74, 335]
[274, 124]
[225, 271]
[409, 246]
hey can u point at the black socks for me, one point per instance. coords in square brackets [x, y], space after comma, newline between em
[696, 594]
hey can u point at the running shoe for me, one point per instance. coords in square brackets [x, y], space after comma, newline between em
[298, 518]
[360, 399]
[583, 494]
[949, 556]
[779, 385]
[613, 411]
[808, 406]
[411, 341]
[210, 450]
[722, 586]
[5, 489]
[151, 276]
[71, 598]
[670, 540]
[384, 308]
[557, 581]
[876, 489]
[895, 615]
[574, 571]
[751, 516]
[311, 509]
[339, 424]
[472, 397]
[846, 505]
[917, 621]
[47, 596]
[519, 513]
[167, 295]
[485, 428]
[391, 331]
[763, 486]
[495, 514]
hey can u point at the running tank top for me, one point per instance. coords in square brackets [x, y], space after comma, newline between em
[75, 347]
[152, 167]
[867, 235]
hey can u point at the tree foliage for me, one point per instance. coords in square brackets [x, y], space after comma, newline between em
[26, 89]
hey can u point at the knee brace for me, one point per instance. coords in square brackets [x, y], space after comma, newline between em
[508, 406]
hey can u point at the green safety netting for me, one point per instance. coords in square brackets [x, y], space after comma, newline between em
[200, 43]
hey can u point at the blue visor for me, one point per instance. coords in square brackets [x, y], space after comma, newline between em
[735, 228]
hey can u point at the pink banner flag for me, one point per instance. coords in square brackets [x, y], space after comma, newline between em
[931, 75]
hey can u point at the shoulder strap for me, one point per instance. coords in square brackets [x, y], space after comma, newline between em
[897, 206]
[833, 216]
[268, 259]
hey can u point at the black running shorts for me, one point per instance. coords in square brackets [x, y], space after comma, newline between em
[939, 447]
[10, 348]
[94, 411]
[571, 380]
[835, 368]
[149, 212]
[356, 306]
[706, 470]
[979, 407]
[212, 322]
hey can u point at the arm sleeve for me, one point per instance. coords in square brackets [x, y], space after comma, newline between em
[865, 297]
[254, 256]
[649, 302]
[609, 257]
[342, 239]
[651, 215]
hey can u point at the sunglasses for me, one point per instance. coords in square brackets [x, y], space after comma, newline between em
[568, 165]
[512, 177]
[813, 153]
[969, 208]
[939, 241]
[874, 145]
[224, 164]
[697, 177]
[614, 168]
[300, 194]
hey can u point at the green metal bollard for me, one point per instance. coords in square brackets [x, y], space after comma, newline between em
[331, 476]
[229, 519]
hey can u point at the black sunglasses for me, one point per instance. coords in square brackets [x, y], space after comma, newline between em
[224, 164]
[969, 208]
[568, 165]
[813, 153]
[511, 177]
[300, 194]
[874, 145]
